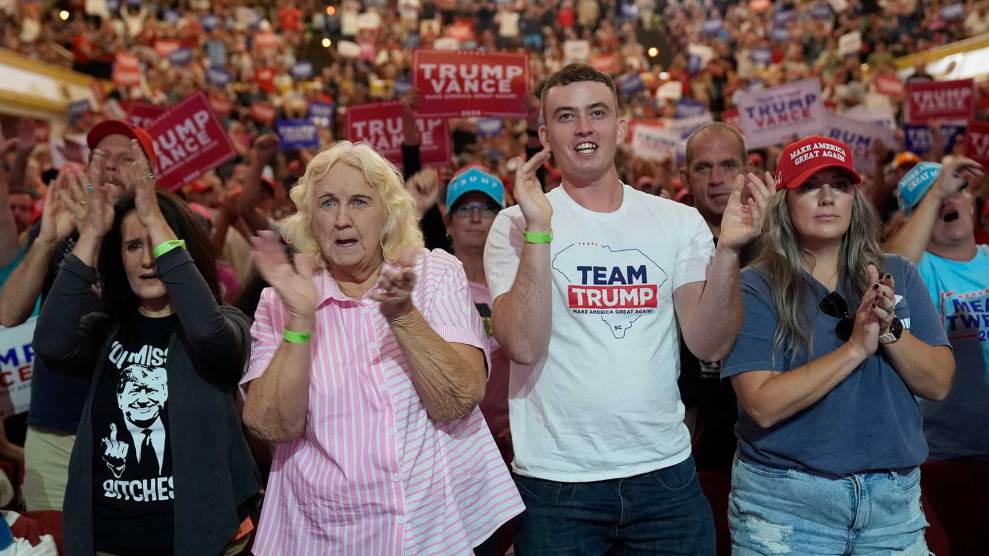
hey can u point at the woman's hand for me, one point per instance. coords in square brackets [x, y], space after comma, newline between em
[294, 284]
[394, 288]
[90, 203]
[872, 317]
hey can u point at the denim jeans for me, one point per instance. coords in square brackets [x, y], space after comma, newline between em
[786, 511]
[661, 512]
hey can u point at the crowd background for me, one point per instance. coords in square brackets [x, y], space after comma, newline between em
[361, 52]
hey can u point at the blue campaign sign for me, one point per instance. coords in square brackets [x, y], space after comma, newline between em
[762, 56]
[784, 17]
[210, 22]
[320, 113]
[77, 108]
[172, 17]
[694, 64]
[218, 76]
[297, 134]
[953, 11]
[631, 84]
[402, 86]
[918, 140]
[822, 11]
[688, 107]
[780, 34]
[713, 26]
[487, 127]
[302, 70]
[180, 57]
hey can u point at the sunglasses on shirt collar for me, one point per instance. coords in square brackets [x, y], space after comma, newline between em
[835, 306]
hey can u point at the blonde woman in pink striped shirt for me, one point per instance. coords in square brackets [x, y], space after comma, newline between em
[369, 361]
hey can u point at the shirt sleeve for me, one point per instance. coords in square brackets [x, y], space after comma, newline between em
[924, 323]
[753, 350]
[265, 339]
[450, 309]
[693, 259]
[502, 254]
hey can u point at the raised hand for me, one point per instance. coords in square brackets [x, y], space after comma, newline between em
[394, 288]
[136, 168]
[115, 452]
[529, 193]
[956, 175]
[26, 139]
[294, 284]
[742, 220]
[265, 148]
[91, 204]
[868, 324]
[57, 218]
[423, 187]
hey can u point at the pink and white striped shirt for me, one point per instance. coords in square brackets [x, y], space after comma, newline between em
[372, 473]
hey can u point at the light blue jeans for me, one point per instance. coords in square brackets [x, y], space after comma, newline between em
[785, 511]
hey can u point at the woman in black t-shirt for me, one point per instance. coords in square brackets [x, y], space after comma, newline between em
[160, 465]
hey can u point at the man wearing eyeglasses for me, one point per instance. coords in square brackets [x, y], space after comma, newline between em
[473, 199]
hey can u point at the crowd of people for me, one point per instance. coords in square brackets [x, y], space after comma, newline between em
[539, 344]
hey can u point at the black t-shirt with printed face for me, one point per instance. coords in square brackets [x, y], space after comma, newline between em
[133, 489]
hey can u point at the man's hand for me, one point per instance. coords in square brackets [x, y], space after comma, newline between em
[956, 175]
[265, 148]
[530, 196]
[742, 221]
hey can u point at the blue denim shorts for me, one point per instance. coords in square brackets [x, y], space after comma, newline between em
[786, 511]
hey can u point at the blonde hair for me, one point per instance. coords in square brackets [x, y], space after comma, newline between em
[402, 222]
[780, 258]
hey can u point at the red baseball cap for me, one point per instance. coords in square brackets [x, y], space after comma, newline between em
[120, 127]
[802, 159]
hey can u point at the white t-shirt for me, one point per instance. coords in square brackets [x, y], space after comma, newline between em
[604, 402]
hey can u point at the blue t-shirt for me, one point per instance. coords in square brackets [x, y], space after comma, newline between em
[958, 426]
[869, 421]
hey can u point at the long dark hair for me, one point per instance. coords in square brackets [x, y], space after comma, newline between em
[119, 300]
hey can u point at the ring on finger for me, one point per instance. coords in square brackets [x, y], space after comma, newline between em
[89, 188]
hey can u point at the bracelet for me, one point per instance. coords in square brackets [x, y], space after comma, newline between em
[294, 337]
[538, 237]
[166, 246]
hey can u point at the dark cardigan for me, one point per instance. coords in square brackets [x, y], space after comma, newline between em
[214, 472]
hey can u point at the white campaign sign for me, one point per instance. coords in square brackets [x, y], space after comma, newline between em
[860, 137]
[780, 114]
[16, 362]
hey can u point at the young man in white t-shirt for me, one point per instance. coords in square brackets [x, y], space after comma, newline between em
[589, 283]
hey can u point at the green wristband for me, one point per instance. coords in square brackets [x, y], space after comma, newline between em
[538, 237]
[166, 246]
[294, 337]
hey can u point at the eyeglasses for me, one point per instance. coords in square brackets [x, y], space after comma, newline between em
[467, 210]
[833, 305]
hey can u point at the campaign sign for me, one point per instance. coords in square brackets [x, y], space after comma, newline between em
[165, 47]
[977, 142]
[631, 85]
[467, 83]
[380, 125]
[210, 22]
[302, 70]
[297, 134]
[16, 361]
[953, 12]
[126, 70]
[180, 57]
[917, 138]
[860, 138]
[655, 143]
[608, 62]
[486, 127]
[940, 100]
[713, 26]
[143, 114]
[77, 108]
[891, 86]
[188, 141]
[687, 108]
[321, 113]
[762, 56]
[218, 76]
[776, 115]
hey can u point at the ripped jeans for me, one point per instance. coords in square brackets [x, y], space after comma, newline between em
[785, 511]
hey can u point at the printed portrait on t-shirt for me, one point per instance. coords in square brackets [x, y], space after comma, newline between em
[616, 286]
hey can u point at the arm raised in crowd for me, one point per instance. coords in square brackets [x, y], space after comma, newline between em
[522, 317]
[277, 401]
[264, 150]
[710, 312]
[67, 342]
[448, 376]
[911, 240]
[57, 223]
